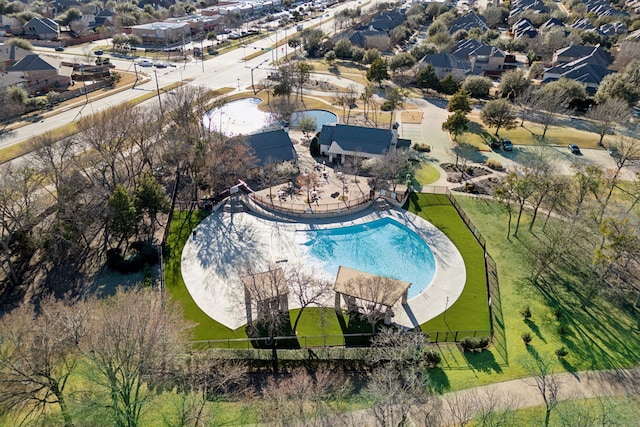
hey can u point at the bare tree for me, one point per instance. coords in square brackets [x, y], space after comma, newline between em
[38, 354]
[127, 348]
[547, 384]
[307, 289]
[549, 108]
[607, 116]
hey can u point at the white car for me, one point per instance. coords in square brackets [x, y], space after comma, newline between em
[145, 63]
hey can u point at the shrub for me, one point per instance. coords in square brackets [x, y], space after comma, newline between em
[423, 148]
[432, 358]
[561, 352]
[526, 337]
[474, 343]
[562, 330]
[525, 312]
[557, 313]
[494, 164]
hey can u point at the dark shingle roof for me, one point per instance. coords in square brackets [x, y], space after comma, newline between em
[357, 138]
[445, 60]
[32, 62]
[271, 147]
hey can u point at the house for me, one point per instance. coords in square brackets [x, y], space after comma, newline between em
[519, 6]
[588, 71]
[41, 73]
[10, 25]
[9, 55]
[595, 54]
[41, 29]
[162, 33]
[387, 21]
[467, 22]
[482, 57]
[340, 142]
[614, 29]
[523, 27]
[445, 63]
[551, 23]
[272, 147]
[583, 24]
[103, 18]
[370, 38]
[7, 81]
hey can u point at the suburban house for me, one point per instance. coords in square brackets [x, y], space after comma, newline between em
[340, 142]
[10, 25]
[41, 29]
[596, 54]
[551, 23]
[445, 64]
[589, 71]
[103, 18]
[7, 81]
[162, 33]
[41, 73]
[9, 55]
[370, 38]
[483, 58]
[583, 24]
[519, 6]
[523, 27]
[468, 22]
[271, 147]
[387, 21]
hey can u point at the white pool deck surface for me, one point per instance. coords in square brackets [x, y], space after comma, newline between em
[226, 246]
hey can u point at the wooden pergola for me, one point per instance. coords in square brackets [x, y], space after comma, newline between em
[352, 285]
[269, 290]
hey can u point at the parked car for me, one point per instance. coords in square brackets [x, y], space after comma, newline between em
[613, 152]
[145, 63]
[161, 64]
[574, 149]
[98, 52]
[59, 49]
[506, 144]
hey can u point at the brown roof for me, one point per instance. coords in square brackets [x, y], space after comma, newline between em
[369, 287]
[266, 285]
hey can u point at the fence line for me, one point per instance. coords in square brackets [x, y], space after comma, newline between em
[275, 204]
[330, 340]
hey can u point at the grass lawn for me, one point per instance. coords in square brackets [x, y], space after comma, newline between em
[605, 336]
[530, 134]
[470, 312]
[427, 174]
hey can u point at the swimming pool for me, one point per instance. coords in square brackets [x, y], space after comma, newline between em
[383, 247]
[322, 117]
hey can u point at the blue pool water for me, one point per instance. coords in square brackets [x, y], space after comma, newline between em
[383, 247]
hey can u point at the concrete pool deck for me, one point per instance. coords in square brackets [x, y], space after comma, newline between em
[225, 246]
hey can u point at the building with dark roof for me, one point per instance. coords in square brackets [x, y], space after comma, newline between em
[272, 147]
[41, 73]
[588, 71]
[551, 23]
[468, 22]
[481, 56]
[595, 54]
[41, 29]
[523, 27]
[340, 142]
[445, 63]
[10, 54]
[519, 6]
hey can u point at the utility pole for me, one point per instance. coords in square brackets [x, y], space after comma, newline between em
[158, 89]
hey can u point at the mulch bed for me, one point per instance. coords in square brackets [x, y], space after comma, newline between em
[484, 186]
[457, 175]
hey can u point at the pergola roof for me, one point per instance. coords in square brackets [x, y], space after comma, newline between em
[266, 285]
[369, 287]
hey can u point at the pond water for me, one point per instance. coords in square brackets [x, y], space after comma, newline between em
[243, 117]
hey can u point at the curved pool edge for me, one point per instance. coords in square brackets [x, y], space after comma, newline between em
[213, 279]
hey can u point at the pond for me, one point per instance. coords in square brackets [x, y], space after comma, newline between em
[244, 117]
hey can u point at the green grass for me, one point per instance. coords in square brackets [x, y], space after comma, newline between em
[603, 337]
[618, 411]
[470, 312]
[427, 174]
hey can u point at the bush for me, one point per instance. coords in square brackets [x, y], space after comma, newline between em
[314, 147]
[526, 337]
[562, 330]
[474, 343]
[145, 255]
[423, 148]
[432, 358]
[525, 312]
[494, 164]
[561, 352]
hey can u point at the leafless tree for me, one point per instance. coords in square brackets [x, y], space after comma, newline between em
[227, 162]
[308, 181]
[540, 371]
[549, 109]
[527, 101]
[607, 116]
[19, 208]
[38, 354]
[127, 348]
[307, 289]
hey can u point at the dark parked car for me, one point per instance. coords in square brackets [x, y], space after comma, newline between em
[506, 144]
[574, 148]
[613, 152]
[98, 52]
[161, 64]
[59, 49]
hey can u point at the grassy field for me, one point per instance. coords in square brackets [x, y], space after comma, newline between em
[427, 174]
